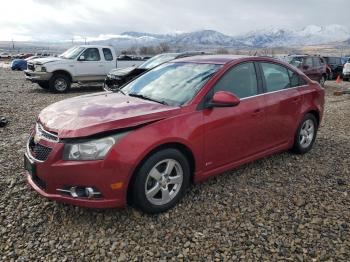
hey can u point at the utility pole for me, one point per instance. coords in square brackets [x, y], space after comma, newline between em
[13, 44]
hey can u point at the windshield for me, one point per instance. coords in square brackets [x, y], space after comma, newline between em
[72, 53]
[172, 83]
[296, 61]
[157, 60]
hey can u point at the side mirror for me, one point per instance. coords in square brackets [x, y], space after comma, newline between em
[81, 58]
[224, 99]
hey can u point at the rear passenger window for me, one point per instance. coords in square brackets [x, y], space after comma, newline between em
[240, 80]
[276, 77]
[316, 61]
[295, 79]
[107, 53]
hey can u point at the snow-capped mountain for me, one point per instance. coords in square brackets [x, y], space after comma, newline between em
[270, 37]
[309, 35]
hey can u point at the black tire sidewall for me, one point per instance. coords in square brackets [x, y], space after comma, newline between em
[324, 81]
[297, 148]
[44, 85]
[138, 193]
[52, 83]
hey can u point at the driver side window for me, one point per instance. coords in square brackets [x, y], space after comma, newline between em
[240, 80]
[91, 54]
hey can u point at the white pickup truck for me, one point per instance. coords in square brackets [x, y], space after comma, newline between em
[346, 70]
[85, 63]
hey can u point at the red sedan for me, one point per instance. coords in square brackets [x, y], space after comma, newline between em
[180, 123]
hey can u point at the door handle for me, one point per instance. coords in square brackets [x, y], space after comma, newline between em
[296, 99]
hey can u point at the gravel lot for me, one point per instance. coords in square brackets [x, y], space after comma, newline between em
[282, 207]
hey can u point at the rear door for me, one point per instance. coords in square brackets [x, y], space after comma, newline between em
[309, 69]
[282, 101]
[319, 67]
[234, 133]
[91, 67]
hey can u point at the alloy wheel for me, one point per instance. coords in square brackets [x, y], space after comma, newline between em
[307, 133]
[164, 182]
[60, 84]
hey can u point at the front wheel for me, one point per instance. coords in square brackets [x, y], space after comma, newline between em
[59, 83]
[305, 135]
[161, 181]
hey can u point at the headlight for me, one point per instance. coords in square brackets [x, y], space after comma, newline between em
[40, 68]
[90, 149]
[111, 76]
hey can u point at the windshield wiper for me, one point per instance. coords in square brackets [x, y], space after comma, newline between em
[147, 98]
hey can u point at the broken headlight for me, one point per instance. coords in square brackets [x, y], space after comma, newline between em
[95, 149]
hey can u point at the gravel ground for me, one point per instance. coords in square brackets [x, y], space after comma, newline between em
[282, 207]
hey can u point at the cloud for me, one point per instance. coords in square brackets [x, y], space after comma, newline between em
[64, 19]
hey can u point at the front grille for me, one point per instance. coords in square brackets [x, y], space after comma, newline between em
[31, 67]
[38, 151]
[46, 134]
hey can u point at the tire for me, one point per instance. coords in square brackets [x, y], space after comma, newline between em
[322, 80]
[59, 83]
[152, 181]
[330, 76]
[44, 85]
[305, 135]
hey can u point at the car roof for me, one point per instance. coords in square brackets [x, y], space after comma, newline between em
[211, 59]
[100, 46]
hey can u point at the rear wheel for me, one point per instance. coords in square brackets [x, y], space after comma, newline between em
[59, 83]
[305, 135]
[322, 81]
[161, 181]
[330, 76]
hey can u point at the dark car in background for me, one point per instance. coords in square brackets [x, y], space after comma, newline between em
[313, 66]
[336, 66]
[118, 77]
[21, 64]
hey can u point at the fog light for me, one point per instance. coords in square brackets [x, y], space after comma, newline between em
[81, 192]
[89, 192]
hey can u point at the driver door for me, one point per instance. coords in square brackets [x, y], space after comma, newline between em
[89, 66]
[235, 133]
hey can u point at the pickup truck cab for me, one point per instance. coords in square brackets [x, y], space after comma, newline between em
[85, 63]
[346, 70]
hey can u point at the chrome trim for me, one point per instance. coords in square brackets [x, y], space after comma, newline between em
[39, 129]
[30, 155]
[267, 93]
[73, 193]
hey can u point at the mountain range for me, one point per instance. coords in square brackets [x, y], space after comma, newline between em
[271, 37]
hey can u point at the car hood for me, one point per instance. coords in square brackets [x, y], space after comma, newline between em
[87, 115]
[41, 61]
[122, 71]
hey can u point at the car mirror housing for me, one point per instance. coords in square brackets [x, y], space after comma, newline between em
[81, 58]
[224, 99]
